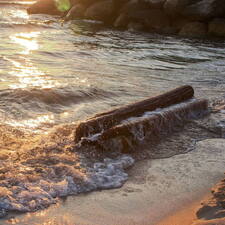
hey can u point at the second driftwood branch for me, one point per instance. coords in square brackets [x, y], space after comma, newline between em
[107, 120]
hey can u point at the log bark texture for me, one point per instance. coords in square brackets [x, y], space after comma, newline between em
[107, 120]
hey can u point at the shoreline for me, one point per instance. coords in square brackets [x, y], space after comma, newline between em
[156, 189]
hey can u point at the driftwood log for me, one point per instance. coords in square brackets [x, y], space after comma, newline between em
[135, 132]
[107, 120]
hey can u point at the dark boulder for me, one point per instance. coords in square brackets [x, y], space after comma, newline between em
[179, 23]
[132, 6]
[118, 4]
[102, 11]
[44, 7]
[154, 4]
[205, 10]
[194, 29]
[217, 27]
[154, 19]
[176, 7]
[85, 3]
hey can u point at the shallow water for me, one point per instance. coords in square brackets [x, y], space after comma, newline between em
[54, 73]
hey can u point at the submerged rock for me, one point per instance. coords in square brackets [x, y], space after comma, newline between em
[217, 27]
[194, 29]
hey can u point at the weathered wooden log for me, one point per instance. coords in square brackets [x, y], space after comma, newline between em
[112, 118]
[132, 133]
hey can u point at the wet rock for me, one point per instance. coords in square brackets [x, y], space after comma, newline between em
[121, 21]
[175, 7]
[44, 7]
[101, 11]
[205, 10]
[73, 2]
[77, 11]
[118, 4]
[132, 7]
[154, 4]
[200, 10]
[154, 19]
[168, 30]
[157, 19]
[194, 29]
[85, 3]
[217, 27]
[178, 24]
[134, 26]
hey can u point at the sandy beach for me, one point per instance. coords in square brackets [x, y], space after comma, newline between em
[156, 191]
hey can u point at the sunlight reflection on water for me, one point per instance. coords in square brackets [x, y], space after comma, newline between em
[33, 123]
[28, 75]
[27, 40]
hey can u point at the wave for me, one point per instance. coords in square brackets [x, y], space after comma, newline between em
[44, 108]
[49, 96]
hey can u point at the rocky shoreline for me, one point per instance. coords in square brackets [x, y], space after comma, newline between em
[189, 18]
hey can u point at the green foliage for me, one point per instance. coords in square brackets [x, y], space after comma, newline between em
[63, 5]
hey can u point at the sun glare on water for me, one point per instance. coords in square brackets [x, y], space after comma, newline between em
[27, 40]
[34, 123]
[27, 75]
[30, 76]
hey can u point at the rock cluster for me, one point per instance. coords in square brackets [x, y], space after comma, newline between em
[195, 18]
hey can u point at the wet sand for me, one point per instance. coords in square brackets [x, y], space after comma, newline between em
[186, 215]
[155, 190]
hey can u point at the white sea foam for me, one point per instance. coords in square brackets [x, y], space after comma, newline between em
[20, 194]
